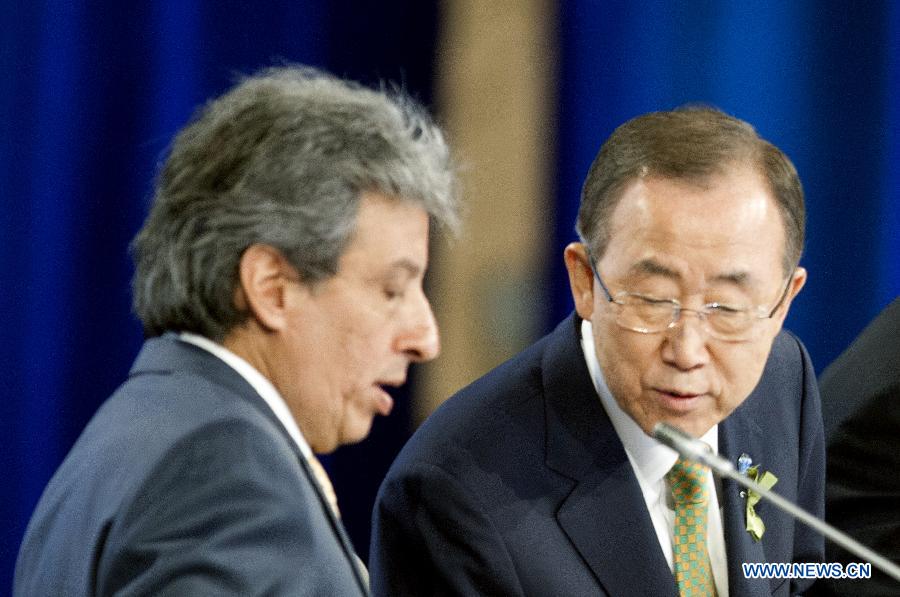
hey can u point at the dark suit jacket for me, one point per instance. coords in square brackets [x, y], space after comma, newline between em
[519, 485]
[868, 366]
[861, 397]
[184, 483]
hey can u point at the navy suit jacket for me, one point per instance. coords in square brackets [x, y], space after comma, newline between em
[519, 485]
[184, 483]
[861, 403]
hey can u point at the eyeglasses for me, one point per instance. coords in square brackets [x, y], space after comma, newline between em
[650, 315]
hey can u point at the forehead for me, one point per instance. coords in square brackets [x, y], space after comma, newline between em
[725, 225]
[388, 232]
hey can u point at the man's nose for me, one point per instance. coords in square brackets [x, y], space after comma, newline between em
[419, 338]
[686, 341]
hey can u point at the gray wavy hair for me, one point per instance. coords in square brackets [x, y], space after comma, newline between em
[281, 160]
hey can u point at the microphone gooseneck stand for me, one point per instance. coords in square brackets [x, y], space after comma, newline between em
[693, 449]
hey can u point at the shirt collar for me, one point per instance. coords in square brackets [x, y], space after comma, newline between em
[258, 382]
[650, 459]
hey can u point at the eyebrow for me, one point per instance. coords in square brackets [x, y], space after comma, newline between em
[654, 268]
[412, 268]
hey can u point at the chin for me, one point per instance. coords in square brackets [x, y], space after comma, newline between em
[357, 434]
[696, 428]
[324, 449]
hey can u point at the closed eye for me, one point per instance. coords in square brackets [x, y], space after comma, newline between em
[652, 300]
[393, 294]
[724, 309]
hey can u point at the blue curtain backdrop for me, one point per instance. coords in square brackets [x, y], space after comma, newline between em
[819, 79]
[93, 91]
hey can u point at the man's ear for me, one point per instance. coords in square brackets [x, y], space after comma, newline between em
[581, 279]
[798, 280]
[264, 278]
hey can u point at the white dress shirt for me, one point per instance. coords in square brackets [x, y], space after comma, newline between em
[651, 461]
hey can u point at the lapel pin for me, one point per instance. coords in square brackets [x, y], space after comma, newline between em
[743, 465]
[755, 525]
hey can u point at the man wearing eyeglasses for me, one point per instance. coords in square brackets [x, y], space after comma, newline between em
[542, 478]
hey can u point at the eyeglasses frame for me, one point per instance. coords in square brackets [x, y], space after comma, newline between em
[702, 313]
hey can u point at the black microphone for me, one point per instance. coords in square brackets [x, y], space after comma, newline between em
[693, 449]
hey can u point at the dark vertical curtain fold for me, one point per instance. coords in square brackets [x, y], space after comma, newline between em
[818, 79]
[91, 95]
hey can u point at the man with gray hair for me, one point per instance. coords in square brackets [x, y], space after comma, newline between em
[279, 282]
[543, 477]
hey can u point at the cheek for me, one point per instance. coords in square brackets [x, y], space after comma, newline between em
[348, 342]
[741, 372]
[362, 356]
[366, 348]
[624, 358]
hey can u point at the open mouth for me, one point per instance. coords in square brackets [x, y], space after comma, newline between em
[384, 403]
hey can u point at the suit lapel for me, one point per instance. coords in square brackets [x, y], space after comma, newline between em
[336, 525]
[604, 516]
[607, 522]
[168, 353]
[738, 434]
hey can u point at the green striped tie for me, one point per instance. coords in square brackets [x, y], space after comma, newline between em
[692, 568]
